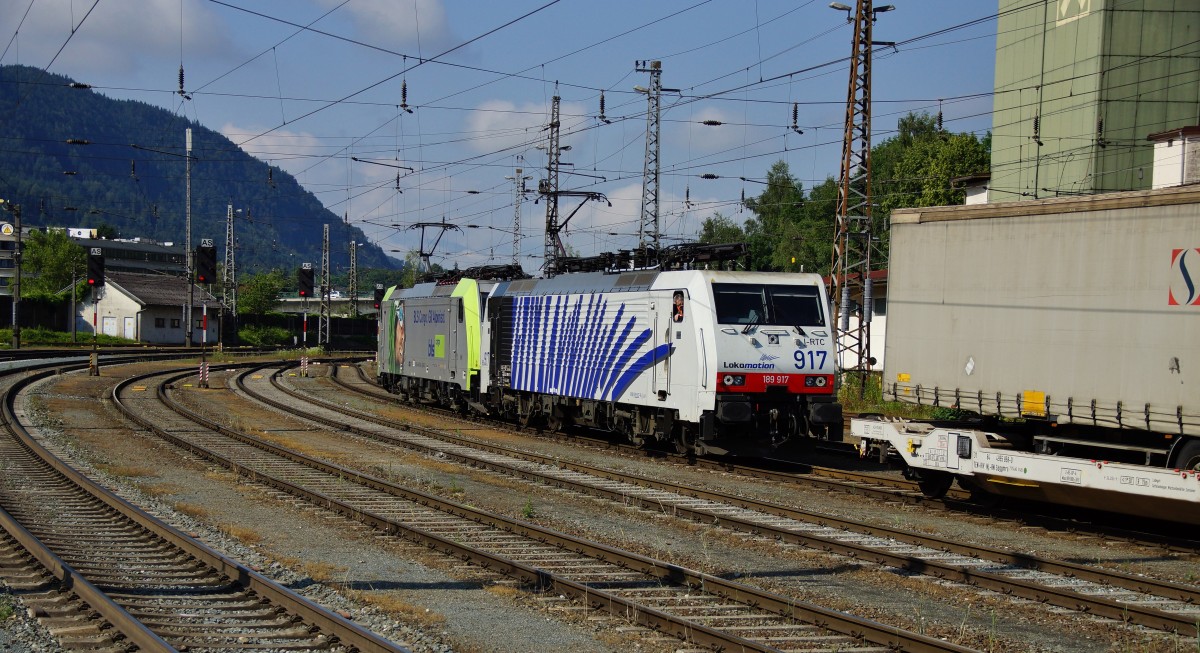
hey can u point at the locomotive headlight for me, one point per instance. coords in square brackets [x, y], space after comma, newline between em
[821, 382]
[815, 381]
[735, 379]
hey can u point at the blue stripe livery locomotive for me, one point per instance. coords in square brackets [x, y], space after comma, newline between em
[710, 361]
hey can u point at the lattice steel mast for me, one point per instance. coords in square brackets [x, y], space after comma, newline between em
[229, 287]
[648, 229]
[548, 187]
[353, 289]
[323, 316]
[519, 180]
[850, 272]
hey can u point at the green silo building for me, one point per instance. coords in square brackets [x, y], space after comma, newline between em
[1080, 84]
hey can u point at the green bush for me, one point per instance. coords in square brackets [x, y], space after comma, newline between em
[39, 337]
[7, 607]
[855, 400]
[265, 336]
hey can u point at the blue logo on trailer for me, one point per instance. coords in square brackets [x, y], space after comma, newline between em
[1182, 290]
[576, 349]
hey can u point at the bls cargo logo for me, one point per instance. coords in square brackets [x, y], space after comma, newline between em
[1185, 267]
[1072, 10]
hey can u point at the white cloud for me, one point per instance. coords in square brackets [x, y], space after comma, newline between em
[496, 125]
[117, 37]
[397, 23]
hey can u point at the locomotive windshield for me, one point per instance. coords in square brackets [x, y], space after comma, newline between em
[752, 303]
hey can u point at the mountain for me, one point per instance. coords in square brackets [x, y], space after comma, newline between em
[75, 158]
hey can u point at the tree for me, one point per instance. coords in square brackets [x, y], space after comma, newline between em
[806, 245]
[776, 210]
[914, 168]
[50, 262]
[258, 294]
[719, 229]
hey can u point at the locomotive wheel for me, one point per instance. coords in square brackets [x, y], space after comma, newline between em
[934, 484]
[1189, 456]
[525, 412]
[555, 420]
[685, 441]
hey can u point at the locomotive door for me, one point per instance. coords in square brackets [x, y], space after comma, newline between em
[661, 328]
[675, 323]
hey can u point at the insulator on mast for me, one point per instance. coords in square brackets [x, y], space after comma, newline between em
[1100, 133]
[404, 95]
[1037, 130]
[181, 79]
[796, 118]
[603, 117]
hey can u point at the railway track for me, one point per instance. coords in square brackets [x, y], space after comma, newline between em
[872, 486]
[101, 574]
[1112, 594]
[701, 609]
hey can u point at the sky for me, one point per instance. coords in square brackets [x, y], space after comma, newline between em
[316, 87]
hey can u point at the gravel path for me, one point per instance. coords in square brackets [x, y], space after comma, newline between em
[432, 605]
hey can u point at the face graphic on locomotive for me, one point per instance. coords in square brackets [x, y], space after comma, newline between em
[398, 351]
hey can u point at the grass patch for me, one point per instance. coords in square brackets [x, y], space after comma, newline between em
[192, 510]
[222, 476]
[324, 572]
[857, 399]
[398, 607]
[241, 533]
[37, 336]
[8, 607]
[157, 490]
[504, 591]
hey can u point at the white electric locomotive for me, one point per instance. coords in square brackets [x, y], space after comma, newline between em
[711, 361]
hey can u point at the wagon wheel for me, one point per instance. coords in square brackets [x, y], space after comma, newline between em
[1189, 456]
[934, 484]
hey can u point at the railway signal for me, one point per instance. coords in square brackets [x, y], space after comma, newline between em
[378, 296]
[95, 268]
[206, 263]
[304, 277]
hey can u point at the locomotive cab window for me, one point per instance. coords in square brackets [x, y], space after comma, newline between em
[746, 303]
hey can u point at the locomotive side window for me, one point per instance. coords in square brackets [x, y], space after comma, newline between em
[745, 303]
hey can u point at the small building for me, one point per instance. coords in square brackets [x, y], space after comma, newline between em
[149, 308]
[1176, 157]
[975, 186]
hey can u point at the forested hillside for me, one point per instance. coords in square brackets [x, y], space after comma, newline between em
[75, 158]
